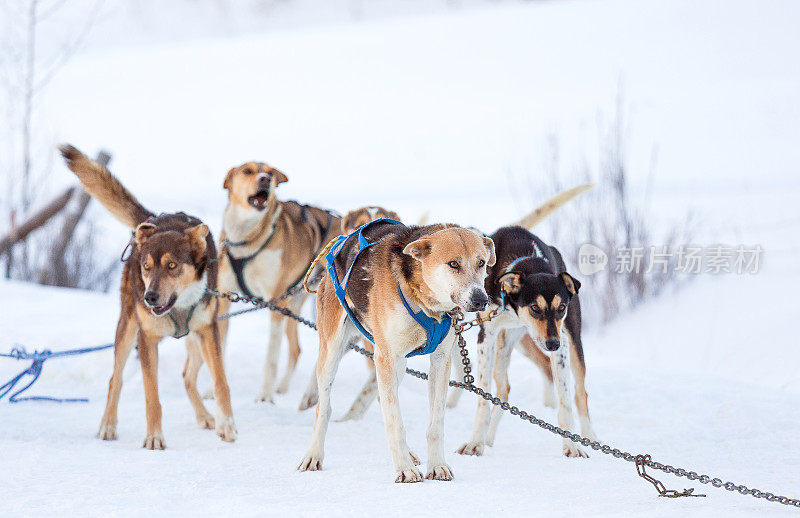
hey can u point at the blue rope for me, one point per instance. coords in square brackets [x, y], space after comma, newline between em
[35, 370]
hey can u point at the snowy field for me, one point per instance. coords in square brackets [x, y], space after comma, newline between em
[705, 378]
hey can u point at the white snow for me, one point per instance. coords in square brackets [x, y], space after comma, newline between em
[435, 112]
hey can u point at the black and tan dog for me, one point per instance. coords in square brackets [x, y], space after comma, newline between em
[267, 245]
[163, 293]
[542, 314]
[407, 276]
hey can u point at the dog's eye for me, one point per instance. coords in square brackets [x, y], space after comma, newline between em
[562, 307]
[146, 267]
[172, 265]
[481, 263]
[535, 308]
[248, 172]
[454, 265]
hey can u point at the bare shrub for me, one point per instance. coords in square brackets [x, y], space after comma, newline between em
[618, 220]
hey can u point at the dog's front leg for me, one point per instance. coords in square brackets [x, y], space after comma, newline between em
[486, 358]
[223, 307]
[559, 362]
[458, 373]
[277, 323]
[389, 369]
[124, 341]
[437, 394]
[148, 357]
[212, 353]
[505, 345]
[194, 360]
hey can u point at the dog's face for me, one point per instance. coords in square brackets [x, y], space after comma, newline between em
[252, 185]
[356, 218]
[170, 262]
[454, 262]
[541, 301]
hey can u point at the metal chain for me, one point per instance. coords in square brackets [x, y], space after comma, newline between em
[468, 384]
[260, 304]
[291, 292]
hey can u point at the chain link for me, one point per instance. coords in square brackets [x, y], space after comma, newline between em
[468, 384]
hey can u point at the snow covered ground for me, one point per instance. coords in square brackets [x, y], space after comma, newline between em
[705, 378]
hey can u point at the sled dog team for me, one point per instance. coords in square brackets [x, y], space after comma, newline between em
[377, 280]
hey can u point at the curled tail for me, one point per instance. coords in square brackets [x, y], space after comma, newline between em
[105, 188]
[314, 275]
[546, 208]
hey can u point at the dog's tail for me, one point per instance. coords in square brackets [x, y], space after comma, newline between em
[105, 188]
[546, 208]
[314, 275]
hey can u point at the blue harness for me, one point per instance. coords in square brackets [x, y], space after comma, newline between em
[435, 330]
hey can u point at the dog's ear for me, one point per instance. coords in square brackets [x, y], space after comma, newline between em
[279, 176]
[511, 282]
[392, 215]
[572, 284]
[347, 221]
[144, 231]
[228, 178]
[490, 246]
[197, 239]
[419, 249]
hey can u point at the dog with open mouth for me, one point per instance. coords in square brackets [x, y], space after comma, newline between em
[172, 263]
[266, 247]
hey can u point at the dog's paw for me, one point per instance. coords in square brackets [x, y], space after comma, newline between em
[226, 429]
[206, 421]
[209, 393]
[408, 475]
[414, 458]
[471, 448]
[283, 388]
[440, 472]
[107, 432]
[154, 441]
[311, 462]
[264, 397]
[308, 401]
[571, 450]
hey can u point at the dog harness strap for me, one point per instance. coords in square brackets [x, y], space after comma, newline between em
[238, 263]
[435, 329]
[340, 288]
[181, 332]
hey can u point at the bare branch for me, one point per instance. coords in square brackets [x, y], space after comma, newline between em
[37, 220]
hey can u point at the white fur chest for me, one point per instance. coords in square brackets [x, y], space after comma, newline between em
[262, 273]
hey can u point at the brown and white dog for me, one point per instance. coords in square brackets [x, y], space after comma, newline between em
[350, 222]
[163, 293]
[369, 390]
[438, 268]
[267, 246]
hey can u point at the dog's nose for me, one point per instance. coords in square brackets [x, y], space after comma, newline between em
[263, 179]
[552, 344]
[478, 300]
[151, 297]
